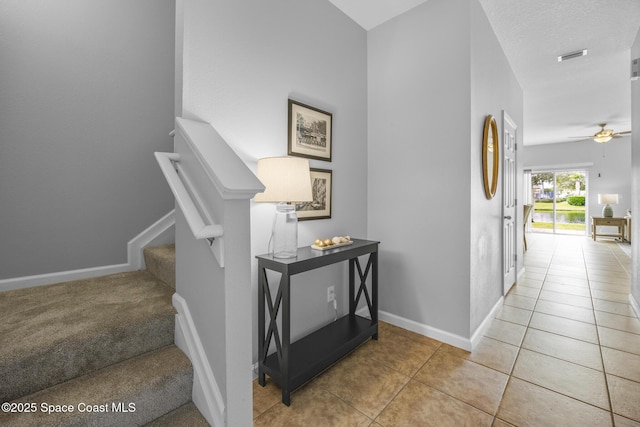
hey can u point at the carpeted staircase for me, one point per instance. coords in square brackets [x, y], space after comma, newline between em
[104, 347]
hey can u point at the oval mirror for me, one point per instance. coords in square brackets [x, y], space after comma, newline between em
[490, 156]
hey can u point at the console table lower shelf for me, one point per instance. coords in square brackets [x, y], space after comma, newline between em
[316, 352]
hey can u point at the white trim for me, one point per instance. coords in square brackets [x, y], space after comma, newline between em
[554, 168]
[206, 394]
[135, 261]
[61, 276]
[520, 274]
[426, 330]
[135, 247]
[480, 330]
[635, 305]
[435, 333]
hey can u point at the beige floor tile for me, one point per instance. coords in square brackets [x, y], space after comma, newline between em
[403, 352]
[520, 301]
[610, 296]
[420, 405]
[624, 422]
[265, 397]
[625, 396]
[616, 321]
[530, 283]
[488, 352]
[500, 423]
[618, 272]
[535, 269]
[525, 404]
[624, 309]
[609, 279]
[412, 335]
[559, 269]
[563, 298]
[609, 287]
[582, 291]
[514, 315]
[566, 327]
[477, 385]
[619, 340]
[565, 348]
[564, 310]
[355, 380]
[524, 291]
[312, 405]
[508, 332]
[566, 280]
[585, 384]
[621, 364]
[535, 276]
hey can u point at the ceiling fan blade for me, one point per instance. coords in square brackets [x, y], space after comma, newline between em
[626, 132]
[583, 137]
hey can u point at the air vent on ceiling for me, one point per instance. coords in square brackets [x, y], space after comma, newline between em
[572, 55]
[635, 69]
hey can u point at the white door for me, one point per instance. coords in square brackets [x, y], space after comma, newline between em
[509, 234]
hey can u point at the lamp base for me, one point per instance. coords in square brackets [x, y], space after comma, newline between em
[607, 211]
[285, 232]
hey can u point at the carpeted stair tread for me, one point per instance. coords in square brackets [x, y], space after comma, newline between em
[161, 261]
[53, 333]
[186, 415]
[155, 383]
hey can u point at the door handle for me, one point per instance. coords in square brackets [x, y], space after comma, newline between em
[507, 217]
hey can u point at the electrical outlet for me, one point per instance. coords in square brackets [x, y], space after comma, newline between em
[331, 293]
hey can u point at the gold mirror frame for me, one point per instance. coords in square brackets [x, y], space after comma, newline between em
[490, 148]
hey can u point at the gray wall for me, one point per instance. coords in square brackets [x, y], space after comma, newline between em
[435, 72]
[494, 88]
[635, 186]
[610, 172]
[86, 92]
[242, 61]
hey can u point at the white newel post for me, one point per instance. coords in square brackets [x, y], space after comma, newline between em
[213, 277]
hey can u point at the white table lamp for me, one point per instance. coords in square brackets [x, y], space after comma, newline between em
[287, 180]
[607, 200]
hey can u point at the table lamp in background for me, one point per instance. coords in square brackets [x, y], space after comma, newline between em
[607, 200]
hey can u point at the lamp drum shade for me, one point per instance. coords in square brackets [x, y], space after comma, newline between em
[286, 179]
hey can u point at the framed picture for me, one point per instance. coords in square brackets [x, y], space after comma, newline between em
[320, 207]
[309, 132]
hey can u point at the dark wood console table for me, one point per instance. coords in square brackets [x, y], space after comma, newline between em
[293, 364]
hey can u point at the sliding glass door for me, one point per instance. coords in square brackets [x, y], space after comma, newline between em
[559, 202]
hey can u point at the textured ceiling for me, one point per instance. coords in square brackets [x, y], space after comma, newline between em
[561, 100]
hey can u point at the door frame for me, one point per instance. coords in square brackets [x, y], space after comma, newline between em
[506, 286]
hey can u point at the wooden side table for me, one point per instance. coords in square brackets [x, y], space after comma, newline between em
[619, 222]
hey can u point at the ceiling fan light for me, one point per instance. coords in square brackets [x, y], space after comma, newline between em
[602, 138]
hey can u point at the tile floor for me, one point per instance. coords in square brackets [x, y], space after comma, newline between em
[564, 350]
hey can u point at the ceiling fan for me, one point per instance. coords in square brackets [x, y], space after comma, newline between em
[604, 135]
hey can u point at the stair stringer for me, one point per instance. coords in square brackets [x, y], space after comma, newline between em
[206, 394]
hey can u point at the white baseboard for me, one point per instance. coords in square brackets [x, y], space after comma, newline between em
[206, 394]
[635, 305]
[135, 247]
[435, 333]
[135, 261]
[426, 330]
[480, 330]
[520, 274]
